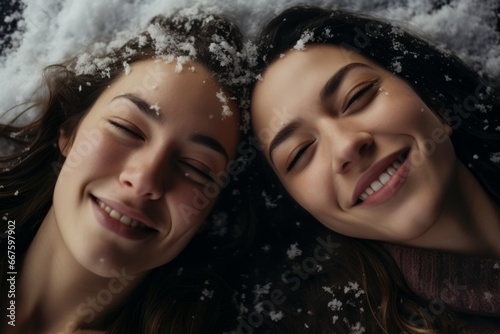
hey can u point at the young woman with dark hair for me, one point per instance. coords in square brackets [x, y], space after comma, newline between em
[113, 179]
[394, 143]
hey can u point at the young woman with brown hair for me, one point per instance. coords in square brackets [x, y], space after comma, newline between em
[386, 138]
[112, 180]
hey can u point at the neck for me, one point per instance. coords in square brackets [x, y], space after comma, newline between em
[469, 222]
[57, 294]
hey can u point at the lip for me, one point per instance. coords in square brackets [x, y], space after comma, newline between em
[114, 225]
[373, 173]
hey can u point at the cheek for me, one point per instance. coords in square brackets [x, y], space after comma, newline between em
[192, 204]
[312, 192]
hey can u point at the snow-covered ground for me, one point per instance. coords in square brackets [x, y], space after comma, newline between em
[51, 30]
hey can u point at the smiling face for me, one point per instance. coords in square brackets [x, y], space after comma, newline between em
[140, 175]
[353, 144]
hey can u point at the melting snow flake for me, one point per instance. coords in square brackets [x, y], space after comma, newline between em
[156, 108]
[327, 289]
[306, 37]
[127, 67]
[207, 294]
[495, 157]
[487, 296]
[293, 251]
[335, 304]
[276, 316]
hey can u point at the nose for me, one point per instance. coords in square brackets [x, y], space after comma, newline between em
[347, 146]
[144, 177]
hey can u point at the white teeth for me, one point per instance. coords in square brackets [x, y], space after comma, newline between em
[382, 179]
[376, 185]
[125, 220]
[114, 214]
[118, 216]
[391, 171]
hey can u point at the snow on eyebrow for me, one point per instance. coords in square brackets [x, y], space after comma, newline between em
[156, 108]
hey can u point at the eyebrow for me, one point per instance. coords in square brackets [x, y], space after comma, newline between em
[282, 135]
[335, 80]
[209, 142]
[143, 106]
[204, 140]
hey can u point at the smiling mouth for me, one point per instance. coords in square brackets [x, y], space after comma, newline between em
[125, 220]
[383, 178]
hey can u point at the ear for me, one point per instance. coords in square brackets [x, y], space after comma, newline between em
[64, 142]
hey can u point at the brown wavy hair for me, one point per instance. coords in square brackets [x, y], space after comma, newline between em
[168, 300]
[447, 86]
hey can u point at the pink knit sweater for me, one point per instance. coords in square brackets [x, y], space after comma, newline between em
[467, 284]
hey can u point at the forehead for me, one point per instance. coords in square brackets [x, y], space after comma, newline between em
[316, 59]
[149, 77]
[292, 84]
[190, 99]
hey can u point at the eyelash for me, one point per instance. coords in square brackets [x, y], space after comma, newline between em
[360, 92]
[297, 157]
[198, 171]
[125, 129]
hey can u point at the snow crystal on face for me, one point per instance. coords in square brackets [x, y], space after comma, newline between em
[293, 251]
[496, 266]
[475, 157]
[306, 37]
[156, 108]
[127, 68]
[226, 111]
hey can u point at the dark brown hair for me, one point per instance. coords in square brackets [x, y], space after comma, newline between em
[168, 300]
[449, 87]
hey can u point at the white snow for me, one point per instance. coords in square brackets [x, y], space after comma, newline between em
[53, 30]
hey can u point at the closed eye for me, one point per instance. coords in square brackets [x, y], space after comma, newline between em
[298, 156]
[196, 171]
[359, 93]
[123, 128]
